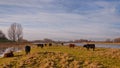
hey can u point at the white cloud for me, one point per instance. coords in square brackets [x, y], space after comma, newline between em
[72, 25]
[63, 25]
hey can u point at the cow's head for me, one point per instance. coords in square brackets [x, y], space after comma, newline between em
[85, 45]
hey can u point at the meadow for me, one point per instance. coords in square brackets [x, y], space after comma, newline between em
[58, 56]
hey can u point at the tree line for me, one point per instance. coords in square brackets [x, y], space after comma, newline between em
[15, 34]
[115, 40]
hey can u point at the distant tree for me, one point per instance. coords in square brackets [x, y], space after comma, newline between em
[48, 40]
[15, 32]
[70, 41]
[108, 40]
[81, 40]
[117, 40]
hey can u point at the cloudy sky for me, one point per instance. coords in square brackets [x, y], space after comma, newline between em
[62, 19]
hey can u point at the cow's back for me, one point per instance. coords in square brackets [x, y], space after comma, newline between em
[92, 45]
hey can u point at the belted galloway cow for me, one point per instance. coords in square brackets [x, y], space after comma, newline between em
[10, 54]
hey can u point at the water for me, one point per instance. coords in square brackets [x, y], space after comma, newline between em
[7, 50]
[100, 45]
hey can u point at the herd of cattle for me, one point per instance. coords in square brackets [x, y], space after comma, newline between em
[28, 48]
[88, 46]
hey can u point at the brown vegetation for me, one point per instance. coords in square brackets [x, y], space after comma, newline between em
[52, 60]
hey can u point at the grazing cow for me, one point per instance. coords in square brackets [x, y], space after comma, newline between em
[50, 44]
[45, 44]
[62, 43]
[71, 45]
[40, 45]
[10, 54]
[27, 49]
[92, 46]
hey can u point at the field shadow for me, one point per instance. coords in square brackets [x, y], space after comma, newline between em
[18, 55]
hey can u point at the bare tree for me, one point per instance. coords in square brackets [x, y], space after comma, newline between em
[15, 32]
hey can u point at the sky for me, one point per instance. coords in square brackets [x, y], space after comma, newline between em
[62, 19]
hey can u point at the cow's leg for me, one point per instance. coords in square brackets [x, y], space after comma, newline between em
[87, 48]
[41, 46]
[93, 49]
[27, 52]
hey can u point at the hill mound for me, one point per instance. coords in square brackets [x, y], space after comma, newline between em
[49, 60]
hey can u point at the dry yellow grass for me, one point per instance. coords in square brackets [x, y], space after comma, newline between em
[64, 57]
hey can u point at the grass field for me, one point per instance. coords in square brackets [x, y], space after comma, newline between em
[64, 57]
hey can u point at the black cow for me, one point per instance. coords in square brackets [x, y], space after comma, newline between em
[27, 49]
[40, 45]
[45, 44]
[62, 43]
[50, 44]
[92, 46]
